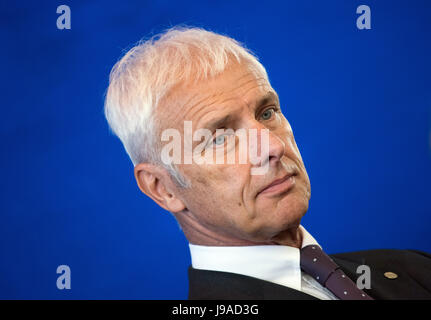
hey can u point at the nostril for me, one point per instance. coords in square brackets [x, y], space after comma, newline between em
[274, 158]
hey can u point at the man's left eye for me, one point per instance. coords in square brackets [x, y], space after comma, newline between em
[267, 114]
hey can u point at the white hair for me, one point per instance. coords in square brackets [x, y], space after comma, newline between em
[146, 73]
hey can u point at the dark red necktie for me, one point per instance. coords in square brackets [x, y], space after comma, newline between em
[322, 268]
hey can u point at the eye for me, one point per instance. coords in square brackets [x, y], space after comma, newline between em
[219, 140]
[267, 114]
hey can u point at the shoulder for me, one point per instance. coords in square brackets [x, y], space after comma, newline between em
[384, 257]
[395, 274]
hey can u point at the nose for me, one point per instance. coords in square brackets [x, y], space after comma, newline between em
[266, 151]
[276, 149]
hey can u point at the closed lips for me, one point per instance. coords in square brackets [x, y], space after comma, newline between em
[277, 182]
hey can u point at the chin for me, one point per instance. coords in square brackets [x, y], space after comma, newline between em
[290, 210]
[275, 216]
[274, 222]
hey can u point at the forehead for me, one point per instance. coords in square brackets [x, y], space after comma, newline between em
[237, 85]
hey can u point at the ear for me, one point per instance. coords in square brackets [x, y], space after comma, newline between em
[156, 183]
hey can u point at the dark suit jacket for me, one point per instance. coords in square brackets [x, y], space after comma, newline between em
[412, 267]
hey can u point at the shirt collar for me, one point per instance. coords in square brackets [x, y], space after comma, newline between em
[275, 263]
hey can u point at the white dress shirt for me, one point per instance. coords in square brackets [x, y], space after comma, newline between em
[274, 263]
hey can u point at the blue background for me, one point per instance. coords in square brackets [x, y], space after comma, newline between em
[359, 102]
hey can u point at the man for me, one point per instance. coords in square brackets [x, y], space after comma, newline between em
[241, 217]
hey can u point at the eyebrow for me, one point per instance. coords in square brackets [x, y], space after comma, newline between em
[218, 122]
[222, 121]
[265, 99]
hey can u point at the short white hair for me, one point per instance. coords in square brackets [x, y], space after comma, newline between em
[146, 73]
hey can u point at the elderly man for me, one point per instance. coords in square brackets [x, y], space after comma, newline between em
[204, 96]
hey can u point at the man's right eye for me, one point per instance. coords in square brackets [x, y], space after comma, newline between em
[219, 140]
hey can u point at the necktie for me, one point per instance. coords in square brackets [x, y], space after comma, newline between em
[322, 268]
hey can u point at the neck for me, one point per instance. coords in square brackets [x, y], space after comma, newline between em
[290, 237]
[198, 234]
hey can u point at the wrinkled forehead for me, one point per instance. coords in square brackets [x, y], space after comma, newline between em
[236, 82]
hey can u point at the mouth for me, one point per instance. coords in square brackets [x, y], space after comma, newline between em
[280, 185]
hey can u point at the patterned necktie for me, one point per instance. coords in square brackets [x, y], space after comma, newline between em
[322, 268]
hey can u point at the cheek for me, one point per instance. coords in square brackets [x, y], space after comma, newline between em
[216, 183]
[221, 193]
